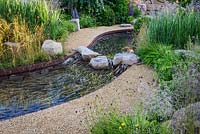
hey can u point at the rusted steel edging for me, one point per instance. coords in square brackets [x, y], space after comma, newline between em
[43, 65]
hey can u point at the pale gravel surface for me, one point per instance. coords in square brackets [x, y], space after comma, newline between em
[85, 36]
[69, 118]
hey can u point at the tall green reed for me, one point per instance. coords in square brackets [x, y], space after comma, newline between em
[35, 13]
[175, 29]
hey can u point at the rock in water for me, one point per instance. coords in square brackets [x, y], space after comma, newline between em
[125, 58]
[86, 53]
[100, 62]
[52, 48]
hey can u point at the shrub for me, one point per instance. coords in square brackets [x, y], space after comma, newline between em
[107, 17]
[174, 29]
[90, 7]
[136, 11]
[160, 57]
[87, 21]
[111, 10]
[70, 26]
[130, 19]
[120, 8]
[139, 22]
[58, 27]
[186, 83]
[113, 123]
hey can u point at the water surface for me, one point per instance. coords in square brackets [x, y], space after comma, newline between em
[42, 89]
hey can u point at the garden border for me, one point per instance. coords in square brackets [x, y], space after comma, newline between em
[43, 65]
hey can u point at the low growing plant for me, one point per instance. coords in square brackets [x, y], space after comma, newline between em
[113, 123]
[160, 57]
[186, 83]
[87, 21]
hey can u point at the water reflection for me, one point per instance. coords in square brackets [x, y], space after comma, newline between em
[40, 91]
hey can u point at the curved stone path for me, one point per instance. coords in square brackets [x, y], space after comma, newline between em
[85, 36]
[73, 117]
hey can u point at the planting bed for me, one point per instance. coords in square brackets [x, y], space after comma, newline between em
[34, 91]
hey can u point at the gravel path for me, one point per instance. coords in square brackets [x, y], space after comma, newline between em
[85, 36]
[71, 117]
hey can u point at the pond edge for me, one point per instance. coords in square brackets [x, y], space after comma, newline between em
[43, 65]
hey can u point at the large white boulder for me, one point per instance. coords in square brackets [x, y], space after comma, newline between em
[86, 53]
[52, 48]
[100, 62]
[125, 58]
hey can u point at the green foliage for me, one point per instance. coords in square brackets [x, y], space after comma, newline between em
[105, 12]
[136, 14]
[90, 7]
[29, 24]
[35, 13]
[28, 50]
[185, 83]
[130, 19]
[136, 11]
[70, 26]
[183, 3]
[121, 11]
[114, 123]
[120, 8]
[106, 17]
[58, 28]
[174, 29]
[140, 21]
[87, 21]
[160, 57]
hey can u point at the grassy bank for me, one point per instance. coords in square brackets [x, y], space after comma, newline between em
[28, 24]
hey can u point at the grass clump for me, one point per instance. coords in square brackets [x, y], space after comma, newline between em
[114, 123]
[27, 49]
[35, 13]
[29, 24]
[160, 57]
[174, 29]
